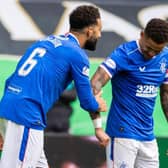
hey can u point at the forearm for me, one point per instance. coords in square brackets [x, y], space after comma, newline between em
[164, 100]
[164, 103]
[102, 137]
[99, 79]
[96, 119]
[2, 132]
[2, 127]
[1, 142]
[94, 115]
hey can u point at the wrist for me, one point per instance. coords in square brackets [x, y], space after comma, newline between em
[97, 123]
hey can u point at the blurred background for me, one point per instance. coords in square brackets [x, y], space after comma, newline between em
[70, 134]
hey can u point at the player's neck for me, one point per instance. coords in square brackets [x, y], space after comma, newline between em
[81, 37]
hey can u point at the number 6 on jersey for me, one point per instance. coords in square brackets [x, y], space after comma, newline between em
[31, 61]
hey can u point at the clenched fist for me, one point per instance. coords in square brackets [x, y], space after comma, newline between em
[102, 137]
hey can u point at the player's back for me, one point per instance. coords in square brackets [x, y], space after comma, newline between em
[40, 77]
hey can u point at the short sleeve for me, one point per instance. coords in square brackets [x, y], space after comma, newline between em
[115, 62]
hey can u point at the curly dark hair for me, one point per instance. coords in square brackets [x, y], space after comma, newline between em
[83, 16]
[157, 30]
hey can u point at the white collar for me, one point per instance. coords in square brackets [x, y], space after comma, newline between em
[70, 34]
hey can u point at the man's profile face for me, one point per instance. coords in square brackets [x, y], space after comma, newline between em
[149, 48]
[91, 42]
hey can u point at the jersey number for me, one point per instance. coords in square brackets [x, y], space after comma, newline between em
[30, 63]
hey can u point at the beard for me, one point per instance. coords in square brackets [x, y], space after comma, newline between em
[90, 44]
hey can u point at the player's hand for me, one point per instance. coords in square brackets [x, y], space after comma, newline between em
[102, 137]
[101, 102]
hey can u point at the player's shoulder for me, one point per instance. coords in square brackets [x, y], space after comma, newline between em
[75, 55]
[164, 53]
[165, 50]
[52, 41]
[126, 50]
[128, 47]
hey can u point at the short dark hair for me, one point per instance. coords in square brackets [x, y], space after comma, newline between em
[83, 16]
[157, 30]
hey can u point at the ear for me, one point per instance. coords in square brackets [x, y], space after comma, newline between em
[89, 31]
[142, 34]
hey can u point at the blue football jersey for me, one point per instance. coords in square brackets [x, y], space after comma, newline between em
[135, 85]
[41, 75]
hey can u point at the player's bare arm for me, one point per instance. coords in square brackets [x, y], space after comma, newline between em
[164, 99]
[102, 137]
[99, 79]
[101, 102]
[1, 142]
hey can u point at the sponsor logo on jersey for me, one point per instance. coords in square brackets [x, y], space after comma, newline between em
[110, 63]
[85, 70]
[146, 91]
[14, 89]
